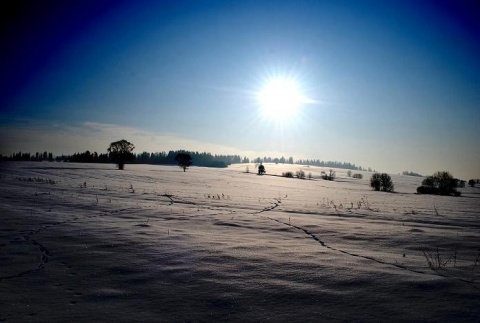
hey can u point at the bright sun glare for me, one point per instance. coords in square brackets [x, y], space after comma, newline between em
[280, 99]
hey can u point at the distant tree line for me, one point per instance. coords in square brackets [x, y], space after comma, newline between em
[310, 162]
[168, 158]
[276, 160]
[158, 158]
[86, 157]
[47, 156]
[332, 164]
[198, 158]
[407, 173]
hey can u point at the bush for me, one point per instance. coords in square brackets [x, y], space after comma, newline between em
[407, 173]
[358, 176]
[441, 183]
[381, 182]
[375, 181]
[261, 170]
[471, 182]
[386, 183]
[349, 173]
[330, 176]
[426, 190]
[300, 174]
[287, 174]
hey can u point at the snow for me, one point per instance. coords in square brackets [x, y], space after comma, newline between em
[154, 243]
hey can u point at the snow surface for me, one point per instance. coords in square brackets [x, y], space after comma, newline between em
[154, 243]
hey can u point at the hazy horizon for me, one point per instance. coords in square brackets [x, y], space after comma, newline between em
[394, 86]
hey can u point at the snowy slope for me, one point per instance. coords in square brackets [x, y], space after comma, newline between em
[152, 243]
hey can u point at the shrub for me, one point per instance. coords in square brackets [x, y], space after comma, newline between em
[261, 169]
[426, 190]
[407, 173]
[386, 183]
[441, 183]
[330, 176]
[381, 182]
[349, 173]
[300, 174]
[375, 181]
[287, 174]
[428, 181]
[471, 182]
[358, 176]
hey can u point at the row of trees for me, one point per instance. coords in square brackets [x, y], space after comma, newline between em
[159, 158]
[332, 164]
[168, 158]
[38, 156]
[276, 160]
[407, 173]
[200, 158]
[85, 157]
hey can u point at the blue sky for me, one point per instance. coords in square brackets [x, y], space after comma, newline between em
[394, 85]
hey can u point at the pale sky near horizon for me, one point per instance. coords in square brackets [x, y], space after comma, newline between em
[394, 85]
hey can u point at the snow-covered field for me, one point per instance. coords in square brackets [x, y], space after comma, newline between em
[87, 242]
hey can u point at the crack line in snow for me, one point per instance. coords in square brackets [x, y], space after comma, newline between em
[170, 196]
[323, 244]
[269, 208]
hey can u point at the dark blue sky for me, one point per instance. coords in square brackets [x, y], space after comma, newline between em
[402, 77]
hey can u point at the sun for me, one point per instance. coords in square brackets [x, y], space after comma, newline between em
[280, 98]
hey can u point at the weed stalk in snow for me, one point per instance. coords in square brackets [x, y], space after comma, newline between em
[476, 260]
